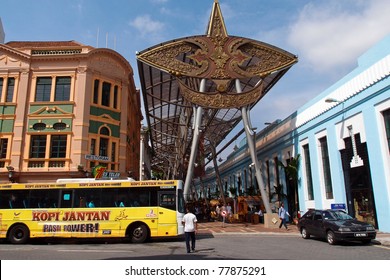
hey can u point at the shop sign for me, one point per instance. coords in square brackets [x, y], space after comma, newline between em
[95, 157]
[338, 206]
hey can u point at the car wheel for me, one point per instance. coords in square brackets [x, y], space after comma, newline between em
[330, 237]
[305, 234]
[19, 234]
[139, 234]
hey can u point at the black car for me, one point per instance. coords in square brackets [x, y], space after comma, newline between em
[335, 226]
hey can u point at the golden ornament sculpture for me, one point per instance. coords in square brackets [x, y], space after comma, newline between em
[221, 59]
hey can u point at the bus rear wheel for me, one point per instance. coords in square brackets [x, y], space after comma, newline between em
[19, 234]
[138, 233]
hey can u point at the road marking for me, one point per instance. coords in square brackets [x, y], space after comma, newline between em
[382, 246]
[94, 251]
[257, 233]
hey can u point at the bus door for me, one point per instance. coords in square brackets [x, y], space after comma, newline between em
[167, 218]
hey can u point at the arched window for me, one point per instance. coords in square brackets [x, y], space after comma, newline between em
[104, 142]
[104, 131]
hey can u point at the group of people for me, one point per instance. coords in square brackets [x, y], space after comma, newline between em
[224, 212]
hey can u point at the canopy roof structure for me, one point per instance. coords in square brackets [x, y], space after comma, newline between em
[202, 71]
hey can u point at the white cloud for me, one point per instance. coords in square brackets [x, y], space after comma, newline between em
[147, 26]
[78, 6]
[330, 35]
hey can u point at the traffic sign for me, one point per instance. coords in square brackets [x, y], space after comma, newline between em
[223, 213]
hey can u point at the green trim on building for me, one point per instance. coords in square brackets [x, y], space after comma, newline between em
[98, 111]
[61, 109]
[7, 126]
[50, 125]
[7, 109]
[94, 127]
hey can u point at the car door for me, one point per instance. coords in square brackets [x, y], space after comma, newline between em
[318, 225]
[307, 221]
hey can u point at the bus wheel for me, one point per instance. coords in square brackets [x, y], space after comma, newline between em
[139, 233]
[19, 234]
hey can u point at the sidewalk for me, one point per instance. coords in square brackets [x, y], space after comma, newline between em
[217, 227]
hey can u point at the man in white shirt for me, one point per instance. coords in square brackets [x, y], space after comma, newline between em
[190, 227]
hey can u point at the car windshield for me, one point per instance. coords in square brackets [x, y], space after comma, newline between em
[339, 215]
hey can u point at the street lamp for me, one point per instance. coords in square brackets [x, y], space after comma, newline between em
[332, 100]
[11, 174]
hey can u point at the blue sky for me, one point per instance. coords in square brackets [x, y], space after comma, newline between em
[328, 36]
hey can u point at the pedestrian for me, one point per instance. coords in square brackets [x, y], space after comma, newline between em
[282, 216]
[223, 212]
[229, 212]
[218, 212]
[190, 228]
[208, 213]
[198, 212]
[261, 216]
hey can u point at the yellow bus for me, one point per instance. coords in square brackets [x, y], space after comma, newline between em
[135, 210]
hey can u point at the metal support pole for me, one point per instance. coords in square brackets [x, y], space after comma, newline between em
[198, 111]
[250, 137]
[219, 181]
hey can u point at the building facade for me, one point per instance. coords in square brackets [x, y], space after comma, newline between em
[342, 141]
[66, 108]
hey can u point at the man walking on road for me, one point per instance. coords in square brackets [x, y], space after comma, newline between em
[190, 227]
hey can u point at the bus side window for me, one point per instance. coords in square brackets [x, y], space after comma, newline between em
[82, 203]
[66, 199]
[12, 201]
[91, 204]
[15, 202]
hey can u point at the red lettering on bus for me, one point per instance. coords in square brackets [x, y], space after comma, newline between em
[86, 216]
[45, 216]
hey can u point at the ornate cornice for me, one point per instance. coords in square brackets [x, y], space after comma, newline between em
[217, 100]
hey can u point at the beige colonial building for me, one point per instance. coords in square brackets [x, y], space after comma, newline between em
[66, 108]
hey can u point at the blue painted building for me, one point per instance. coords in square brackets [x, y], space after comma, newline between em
[342, 140]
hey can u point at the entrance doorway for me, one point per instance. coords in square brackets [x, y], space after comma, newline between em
[358, 185]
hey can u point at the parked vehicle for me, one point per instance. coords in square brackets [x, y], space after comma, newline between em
[335, 226]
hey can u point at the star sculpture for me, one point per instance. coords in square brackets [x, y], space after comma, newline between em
[219, 58]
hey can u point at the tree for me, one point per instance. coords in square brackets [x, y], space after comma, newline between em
[157, 175]
[292, 179]
[233, 191]
[279, 193]
[291, 168]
